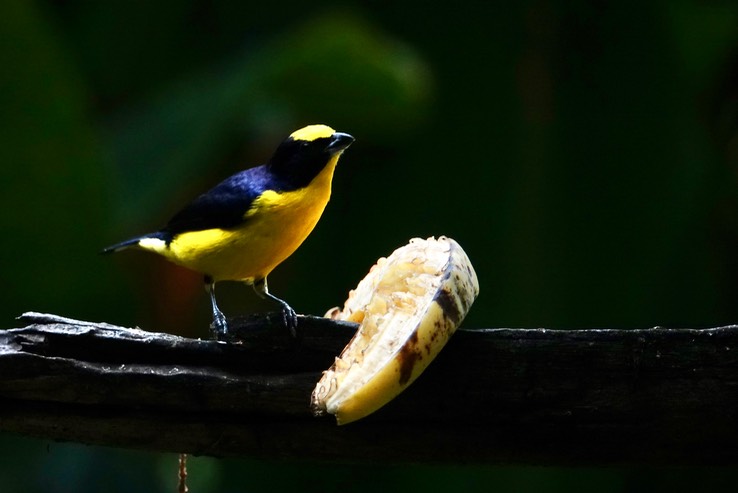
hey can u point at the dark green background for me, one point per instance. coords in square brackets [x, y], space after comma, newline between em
[585, 154]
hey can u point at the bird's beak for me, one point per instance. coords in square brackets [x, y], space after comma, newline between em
[339, 142]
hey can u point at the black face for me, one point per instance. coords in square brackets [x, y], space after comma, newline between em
[299, 161]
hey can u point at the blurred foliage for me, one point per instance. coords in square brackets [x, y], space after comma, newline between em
[584, 153]
[53, 185]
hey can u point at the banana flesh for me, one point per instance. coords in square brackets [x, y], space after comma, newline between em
[408, 306]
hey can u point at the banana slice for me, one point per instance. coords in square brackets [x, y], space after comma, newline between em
[408, 306]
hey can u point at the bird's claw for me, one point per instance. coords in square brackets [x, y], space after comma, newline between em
[289, 318]
[219, 327]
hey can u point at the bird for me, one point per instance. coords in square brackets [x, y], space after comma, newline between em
[245, 226]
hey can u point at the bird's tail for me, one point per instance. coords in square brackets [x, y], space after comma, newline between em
[154, 239]
[123, 245]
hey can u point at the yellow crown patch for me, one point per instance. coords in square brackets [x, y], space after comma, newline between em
[312, 132]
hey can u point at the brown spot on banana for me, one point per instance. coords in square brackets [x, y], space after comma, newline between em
[449, 305]
[408, 356]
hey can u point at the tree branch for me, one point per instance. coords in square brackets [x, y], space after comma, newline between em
[532, 396]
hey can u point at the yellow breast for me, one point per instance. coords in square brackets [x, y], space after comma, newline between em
[275, 225]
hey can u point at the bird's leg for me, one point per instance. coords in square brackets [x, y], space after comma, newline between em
[219, 326]
[289, 317]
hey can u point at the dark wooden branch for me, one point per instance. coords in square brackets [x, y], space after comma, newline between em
[532, 396]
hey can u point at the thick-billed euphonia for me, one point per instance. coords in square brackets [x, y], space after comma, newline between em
[245, 226]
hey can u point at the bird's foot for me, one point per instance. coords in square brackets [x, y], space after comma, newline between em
[219, 327]
[289, 318]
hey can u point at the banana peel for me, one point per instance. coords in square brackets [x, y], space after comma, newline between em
[408, 306]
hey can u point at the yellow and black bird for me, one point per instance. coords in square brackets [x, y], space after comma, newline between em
[245, 226]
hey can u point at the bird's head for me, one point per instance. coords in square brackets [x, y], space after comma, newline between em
[304, 154]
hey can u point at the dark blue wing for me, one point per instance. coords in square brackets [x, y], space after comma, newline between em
[224, 205]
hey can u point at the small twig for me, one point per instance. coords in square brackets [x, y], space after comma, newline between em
[182, 484]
